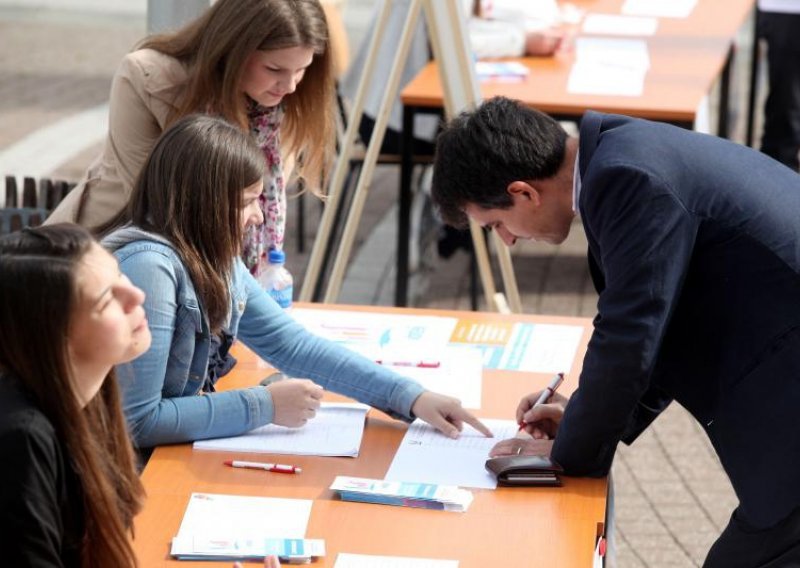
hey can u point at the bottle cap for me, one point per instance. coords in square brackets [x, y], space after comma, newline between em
[276, 257]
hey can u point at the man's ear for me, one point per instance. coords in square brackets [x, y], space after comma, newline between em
[524, 191]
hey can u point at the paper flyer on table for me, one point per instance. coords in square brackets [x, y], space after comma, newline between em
[336, 430]
[526, 347]
[374, 335]
[428, 456]
[292, 550]
[215, 518]
[458, 373]
[402, 493]
[211, 515]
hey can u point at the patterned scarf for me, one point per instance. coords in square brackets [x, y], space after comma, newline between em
[265, 125]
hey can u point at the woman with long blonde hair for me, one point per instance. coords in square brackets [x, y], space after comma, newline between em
[263, 65]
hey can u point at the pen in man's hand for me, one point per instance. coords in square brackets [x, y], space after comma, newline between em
[273, 467]
[548, 391]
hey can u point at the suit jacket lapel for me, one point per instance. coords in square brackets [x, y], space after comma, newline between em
[589, 135]
[587, 144]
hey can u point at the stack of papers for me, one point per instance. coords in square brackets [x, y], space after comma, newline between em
[231, 527]
[291, 551]
[423, 495]
[336, 430]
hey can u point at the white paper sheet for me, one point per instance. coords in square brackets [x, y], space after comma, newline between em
[782, 6]
[612, 52]
[552, 348]
[459, 374]
[211, 515]
[659, 8]
[609, 66]
[336, 430]
[344, 560]
[612, 24]
[588, 79]
[427, 456]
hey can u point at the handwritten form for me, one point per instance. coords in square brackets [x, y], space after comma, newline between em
[336, 430]
[426, 456]
[344, 560]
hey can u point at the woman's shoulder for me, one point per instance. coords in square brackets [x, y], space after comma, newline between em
[157, 71]
[135, 247]
[22, 424]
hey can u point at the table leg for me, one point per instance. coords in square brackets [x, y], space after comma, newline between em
[724, 96]
[751, 95]
[404, 213]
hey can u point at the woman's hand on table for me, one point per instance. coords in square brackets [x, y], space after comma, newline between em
[295, 401]
[446, 414]
[269, 562]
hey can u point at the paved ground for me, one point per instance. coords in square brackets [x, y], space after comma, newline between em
[672, 498]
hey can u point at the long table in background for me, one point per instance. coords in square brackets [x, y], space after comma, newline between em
[688, 56]
[506, 527]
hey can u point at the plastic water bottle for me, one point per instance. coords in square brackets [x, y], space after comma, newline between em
[277, 281]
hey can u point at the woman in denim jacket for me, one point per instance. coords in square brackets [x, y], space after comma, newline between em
[196, 194]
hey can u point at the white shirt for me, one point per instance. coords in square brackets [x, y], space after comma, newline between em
[782, 6]
[576, 184]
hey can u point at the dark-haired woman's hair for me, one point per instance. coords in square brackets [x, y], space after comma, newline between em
[190, 191]
[38, 297]
[215, 47]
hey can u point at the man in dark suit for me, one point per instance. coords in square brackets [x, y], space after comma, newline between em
[694, 247]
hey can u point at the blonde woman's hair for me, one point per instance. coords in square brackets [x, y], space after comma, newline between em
[215, 47]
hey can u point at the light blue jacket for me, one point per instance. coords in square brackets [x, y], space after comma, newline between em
[161, 390]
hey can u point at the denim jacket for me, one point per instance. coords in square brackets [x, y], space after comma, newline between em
[161, 390]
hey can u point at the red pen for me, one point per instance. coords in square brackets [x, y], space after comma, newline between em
[273, 467]
[548, 391]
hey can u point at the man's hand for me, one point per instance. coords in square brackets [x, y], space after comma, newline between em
[541, 421]
[295, 401]
[446, 414]
[522, 446]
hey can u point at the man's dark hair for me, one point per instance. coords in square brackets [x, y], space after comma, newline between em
[479, 153]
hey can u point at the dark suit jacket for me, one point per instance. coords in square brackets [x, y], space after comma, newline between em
[694, 244]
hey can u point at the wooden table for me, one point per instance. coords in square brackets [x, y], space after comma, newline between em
[545, 527]
[687, 57]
